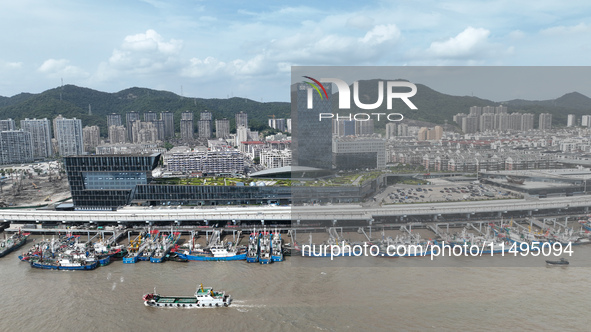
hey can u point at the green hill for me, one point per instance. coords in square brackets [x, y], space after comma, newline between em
[74, 101]
[433, 106]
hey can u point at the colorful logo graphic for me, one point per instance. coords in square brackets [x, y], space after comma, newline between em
[318, 84]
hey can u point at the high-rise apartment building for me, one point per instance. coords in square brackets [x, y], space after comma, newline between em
[91, 136]
[113, 120]
[68, 133]
[117, 134]
[204, 129]
[470, 124]
[130, 118]
[241, 119]
[144, 132]
[487, 122]
[40, 130]
[15, 147]
[150, 116]
[187, 127]
[570, 120]
[545, 121]
[222, 128]
[391, 130]
[364, 127]
[527, 122]
[8, 124]
[168, 118]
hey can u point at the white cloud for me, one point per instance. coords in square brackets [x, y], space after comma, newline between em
[143, 54]
[380, 34]
[152, 42]
[362, 22]
[564, 30]
[10, 65]
[517, 34]
[209, 66]
[61, 68]
[466, 43]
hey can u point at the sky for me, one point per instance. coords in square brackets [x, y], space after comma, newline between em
[220, 49]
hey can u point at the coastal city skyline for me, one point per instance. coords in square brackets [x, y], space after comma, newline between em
[183, 165]
[173, 46]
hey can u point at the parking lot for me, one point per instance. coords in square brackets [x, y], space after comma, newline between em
[442, 192]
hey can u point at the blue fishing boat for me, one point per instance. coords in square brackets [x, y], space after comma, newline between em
[12, 243]
[252, 255]
[276, 247]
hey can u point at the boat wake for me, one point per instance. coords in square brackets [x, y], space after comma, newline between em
[246, 307]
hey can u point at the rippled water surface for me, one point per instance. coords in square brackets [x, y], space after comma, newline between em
[295, 295]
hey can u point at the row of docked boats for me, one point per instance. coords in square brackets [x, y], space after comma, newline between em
[68, 252]
[264, 247]
[153, 246]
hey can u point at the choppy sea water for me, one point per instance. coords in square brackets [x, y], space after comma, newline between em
[303, 294]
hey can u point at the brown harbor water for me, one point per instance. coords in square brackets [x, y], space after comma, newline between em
[379, 294]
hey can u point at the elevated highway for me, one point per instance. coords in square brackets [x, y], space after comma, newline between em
[579, 204]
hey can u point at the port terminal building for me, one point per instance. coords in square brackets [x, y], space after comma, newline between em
[108, 182]
[541, 183]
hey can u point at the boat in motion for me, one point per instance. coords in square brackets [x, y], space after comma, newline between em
[205, 297]
[562, 261]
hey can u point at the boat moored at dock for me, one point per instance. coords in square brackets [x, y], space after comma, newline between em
[276, 247]
[12, 243]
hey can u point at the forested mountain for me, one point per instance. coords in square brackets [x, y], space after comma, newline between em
[433, 106]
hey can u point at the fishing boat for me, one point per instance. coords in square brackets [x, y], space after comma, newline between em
[276, 247]
[136, 246]
[265, 249]
[173, 257]
[12, 243]
[65, 263]
[215, 251]
[252, 255]
[205, 297]
[562, 261]
[151, 242]
[164, 246]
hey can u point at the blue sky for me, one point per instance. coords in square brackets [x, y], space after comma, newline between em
[216, 49]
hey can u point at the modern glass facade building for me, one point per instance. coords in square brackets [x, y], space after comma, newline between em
[111, 181]
[107, 181]
[311, 137]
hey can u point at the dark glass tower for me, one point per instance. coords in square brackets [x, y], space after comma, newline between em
[107, 181]
[311, 137]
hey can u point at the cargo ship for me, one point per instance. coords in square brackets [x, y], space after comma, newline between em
[203, 298]
[12, 243]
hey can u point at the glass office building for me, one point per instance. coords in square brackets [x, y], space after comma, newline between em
[107, 181]
[311, 137]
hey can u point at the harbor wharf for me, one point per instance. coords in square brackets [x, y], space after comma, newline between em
[288, 214]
